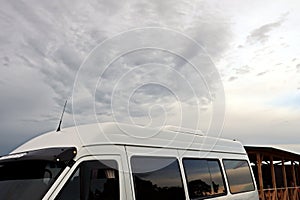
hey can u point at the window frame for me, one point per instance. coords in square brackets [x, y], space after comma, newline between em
[250, 171]
[77, 167]
[155, 157]
[222, 173]
[68, 180]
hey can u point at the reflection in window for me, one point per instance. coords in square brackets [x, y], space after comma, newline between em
[93, 180]
[157, 178]
[238, 175]
[204, 178]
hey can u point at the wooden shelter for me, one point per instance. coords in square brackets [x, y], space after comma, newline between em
[277, 172]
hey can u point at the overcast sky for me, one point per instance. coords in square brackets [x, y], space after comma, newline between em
[199, 64]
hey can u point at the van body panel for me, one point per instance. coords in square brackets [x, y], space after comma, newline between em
[121, 142]
[122, 134]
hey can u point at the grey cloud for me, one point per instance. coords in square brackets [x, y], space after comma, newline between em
[15, 133]
[153, 90]
[68, 56]
[261, 34]
[103, 97]
[261, 73]
[51, 39]
[135, 82]
[204, 26]
[34, 32]
[232, 78]
[39, 120]
[239, 72]
[20, 97]
[54, 36]
[284, 45]
[242, 70]
[5, 61]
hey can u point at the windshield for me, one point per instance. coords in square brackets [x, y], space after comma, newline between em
[29, 175]
[28, 179]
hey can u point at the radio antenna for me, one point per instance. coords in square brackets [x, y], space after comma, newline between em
[61, 118]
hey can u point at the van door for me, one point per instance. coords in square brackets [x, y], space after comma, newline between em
[94, 177]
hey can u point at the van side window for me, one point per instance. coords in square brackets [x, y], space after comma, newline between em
[204, 178]
[157, 178]
[93, 180]
[238, 175]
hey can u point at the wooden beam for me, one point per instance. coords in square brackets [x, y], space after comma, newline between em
[279, 154]
[273, 175]
[298, 173]
[284, 173]
[285, 196]
[293, 173]
[260, 177]
[294, 181]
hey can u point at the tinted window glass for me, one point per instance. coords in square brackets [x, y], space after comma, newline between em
[238, 175]
[204, 178]
[157, 178]
[93, 180]
[29, 179]
[217, 179]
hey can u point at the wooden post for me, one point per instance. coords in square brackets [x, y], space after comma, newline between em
[298, 173]
[294, 181]
[298, 183]
[285, 196]
[273, 178]
[260, 178]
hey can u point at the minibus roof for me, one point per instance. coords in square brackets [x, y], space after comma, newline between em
[123, 134]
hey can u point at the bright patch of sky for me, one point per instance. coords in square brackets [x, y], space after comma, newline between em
[260, 71]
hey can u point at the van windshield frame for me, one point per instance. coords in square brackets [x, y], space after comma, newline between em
[29, 175]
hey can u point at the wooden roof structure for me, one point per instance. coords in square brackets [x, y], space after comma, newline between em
[277, 172]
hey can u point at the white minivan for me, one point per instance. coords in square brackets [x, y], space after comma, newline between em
[112, 161]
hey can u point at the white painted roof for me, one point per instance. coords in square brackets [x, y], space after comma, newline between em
[122, 134]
